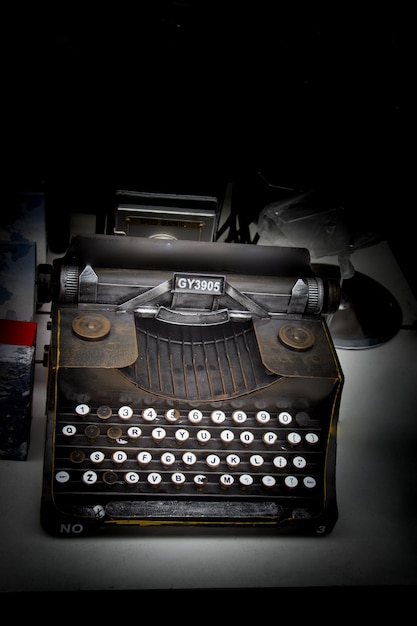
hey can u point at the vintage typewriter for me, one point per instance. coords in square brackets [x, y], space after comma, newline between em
[190, 383]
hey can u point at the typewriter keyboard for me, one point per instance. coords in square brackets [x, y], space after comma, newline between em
[186, 453]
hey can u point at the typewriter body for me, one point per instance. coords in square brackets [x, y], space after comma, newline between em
[189, 383]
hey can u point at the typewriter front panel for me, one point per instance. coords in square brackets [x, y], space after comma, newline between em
[169, 411]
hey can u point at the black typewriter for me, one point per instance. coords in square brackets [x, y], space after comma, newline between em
[189, 383]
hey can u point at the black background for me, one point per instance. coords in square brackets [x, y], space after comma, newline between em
[187, 96]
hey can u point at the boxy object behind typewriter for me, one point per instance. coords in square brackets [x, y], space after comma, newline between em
[190, 383]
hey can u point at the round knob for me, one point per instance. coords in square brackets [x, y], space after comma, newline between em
[296, 337]
[91, 326]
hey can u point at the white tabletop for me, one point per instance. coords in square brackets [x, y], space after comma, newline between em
[373, 543]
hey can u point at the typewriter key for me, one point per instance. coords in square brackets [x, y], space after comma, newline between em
[200, 480]
[159, 434]
[89, 477]
[269, 438]
[154, 479]
[134, 432]
[247, 437]
[268, 481]
[91, 431]
[144, 458]
[172, 415]
[213, 461]
[245, 481]
[69, 430]
[97, 457]
[110, 478]
[104, 412]
[233, 460]
[77, 456]
[189, 459]
[226, 481]
[131, 478]
[178, 479]
[114, 432]
[119, 457]
[167, 459]
[203, 436]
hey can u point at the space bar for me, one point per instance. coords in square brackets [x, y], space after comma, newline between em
[212, 510]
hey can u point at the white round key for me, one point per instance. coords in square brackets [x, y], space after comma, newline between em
[149, 414]
[125, 412]
[309, 482]
[131, 478]
[195, 416]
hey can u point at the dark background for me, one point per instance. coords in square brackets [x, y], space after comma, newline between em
[188, 96]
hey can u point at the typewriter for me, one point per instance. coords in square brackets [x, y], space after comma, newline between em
[190, 383]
